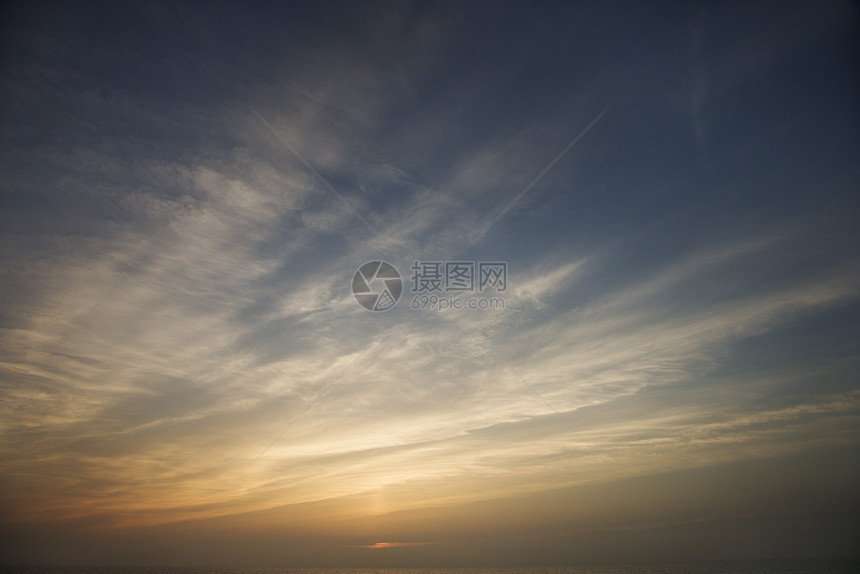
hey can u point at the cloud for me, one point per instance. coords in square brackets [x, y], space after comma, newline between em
[170, 354]
[180, 343]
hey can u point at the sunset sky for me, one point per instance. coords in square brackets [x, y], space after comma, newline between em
[188, 189]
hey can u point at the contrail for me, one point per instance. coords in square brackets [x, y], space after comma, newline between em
[313, 170]
[538, 178]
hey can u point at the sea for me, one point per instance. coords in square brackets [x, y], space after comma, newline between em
[805, 566]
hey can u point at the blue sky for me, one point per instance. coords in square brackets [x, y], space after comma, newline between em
[187, 191]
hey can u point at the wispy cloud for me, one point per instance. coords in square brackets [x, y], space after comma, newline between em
[179, 341]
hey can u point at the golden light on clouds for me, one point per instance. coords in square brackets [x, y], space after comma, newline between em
[186, 376]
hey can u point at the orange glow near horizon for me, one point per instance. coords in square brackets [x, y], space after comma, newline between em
[616, 322]
[390, 545]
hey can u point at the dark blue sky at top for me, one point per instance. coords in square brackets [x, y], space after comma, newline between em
[774, 141]
[771, 144]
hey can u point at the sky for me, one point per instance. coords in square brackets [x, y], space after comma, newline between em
[666, 370]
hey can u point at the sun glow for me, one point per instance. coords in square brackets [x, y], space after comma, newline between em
[390, 545]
